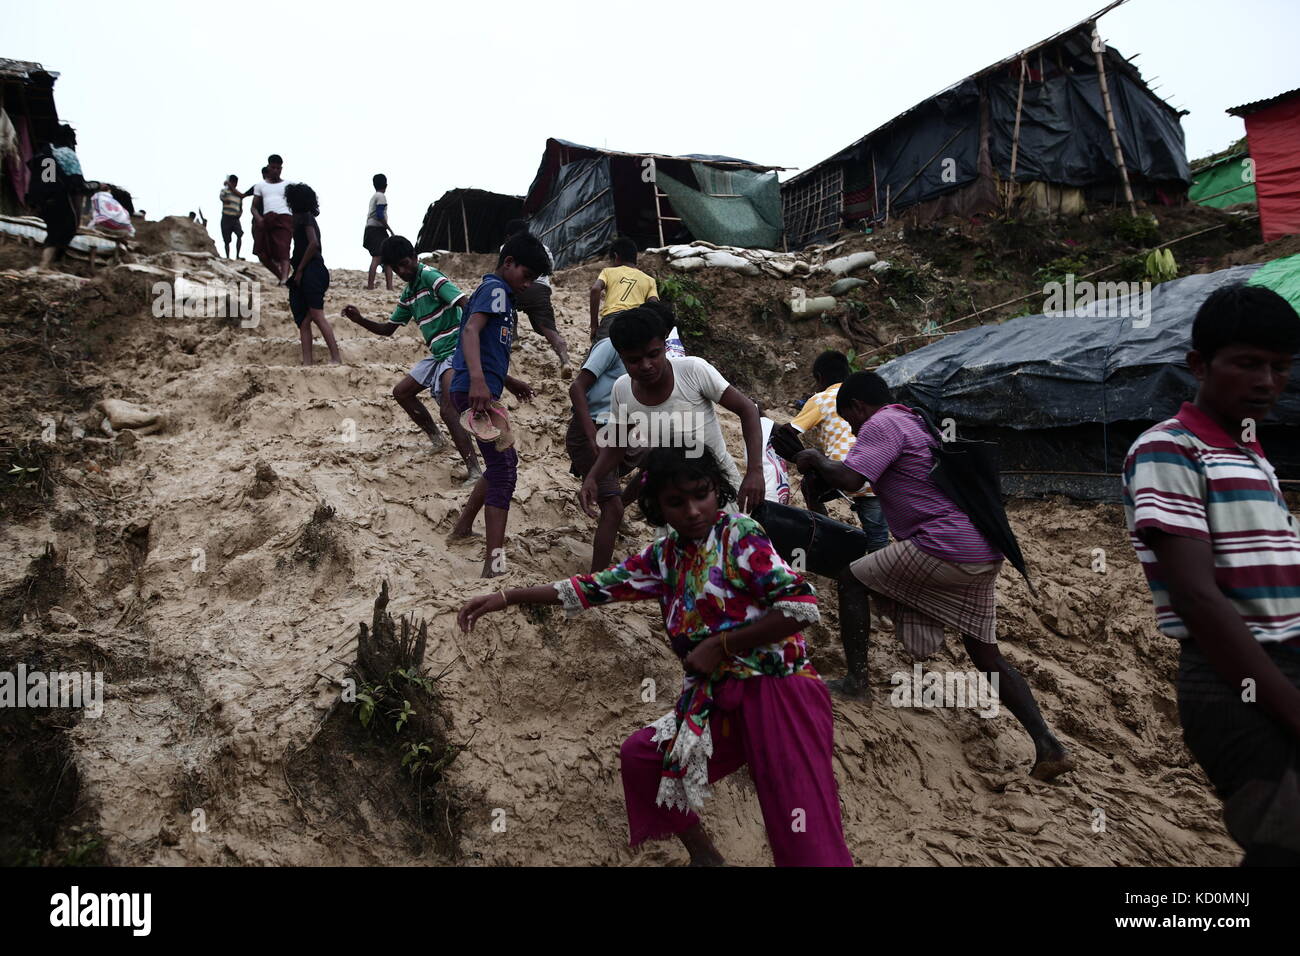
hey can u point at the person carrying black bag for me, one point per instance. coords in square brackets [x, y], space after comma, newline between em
[943, 566]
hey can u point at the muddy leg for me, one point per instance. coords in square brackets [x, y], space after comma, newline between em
[1051, 759]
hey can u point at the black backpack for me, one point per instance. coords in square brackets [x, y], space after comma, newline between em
[967, 472]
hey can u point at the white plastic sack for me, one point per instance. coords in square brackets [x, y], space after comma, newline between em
[725, 260]
[107, 214]
[673, 346]
[851, 263]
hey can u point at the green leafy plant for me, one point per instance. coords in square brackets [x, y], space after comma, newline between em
[691, 303]
[1058, 269]
[1142, 230]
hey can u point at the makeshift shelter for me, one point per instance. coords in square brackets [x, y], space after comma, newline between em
[1064, 395]
[1063, 122]
[582, 197]
[28, 119]
[1273, 132]
[1223, 181]
[468, 220]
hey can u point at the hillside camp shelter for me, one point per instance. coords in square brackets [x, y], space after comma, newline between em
[1273, 134]
[1064, 395]
[1059, 124]
[1223, 181]
[28, 119]
[584, 197]
[468, 220]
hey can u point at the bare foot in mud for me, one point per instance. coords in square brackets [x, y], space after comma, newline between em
[1052, 761]
[849, 687]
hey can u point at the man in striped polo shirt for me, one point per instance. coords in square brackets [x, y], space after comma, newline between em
[1222, 556]
[434, 302]
[941, 571]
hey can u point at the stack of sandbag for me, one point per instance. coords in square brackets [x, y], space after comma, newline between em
[780, 265]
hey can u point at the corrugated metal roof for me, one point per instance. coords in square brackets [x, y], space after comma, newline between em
[1258, 105]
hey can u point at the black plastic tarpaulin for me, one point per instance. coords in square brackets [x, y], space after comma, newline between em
[1118, 360]
[932, 150]
[1064, 137]
[578, 220]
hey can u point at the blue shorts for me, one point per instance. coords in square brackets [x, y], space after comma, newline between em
[428, 372]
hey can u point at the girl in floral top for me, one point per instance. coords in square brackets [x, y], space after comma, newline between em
[732, 608]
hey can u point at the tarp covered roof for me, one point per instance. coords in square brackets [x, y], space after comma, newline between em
[583, 196]
[1049, 371]
[1057, 116]
[468, 220]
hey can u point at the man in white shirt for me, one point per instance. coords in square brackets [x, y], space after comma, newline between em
[272, 221]
[672, 403]
[377, 230]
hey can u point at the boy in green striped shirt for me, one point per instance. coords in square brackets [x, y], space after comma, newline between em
[434, 303]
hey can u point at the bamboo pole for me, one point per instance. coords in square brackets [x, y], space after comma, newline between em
[464, 222]
[875, 189]
[1110, 120]
[1015, 135]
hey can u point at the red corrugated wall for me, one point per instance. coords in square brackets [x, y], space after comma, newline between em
[1274, 137]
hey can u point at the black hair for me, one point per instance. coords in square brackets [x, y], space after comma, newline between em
[380, 181]
[395, 249]
[674, 467]
[516, 226]
[867, 387]
[1245, 315]
[65, 135]
[273, 159]
[633, 328]
[624, 248]
[831, 367]
[301, 198]
[265, 170]
[527, 250]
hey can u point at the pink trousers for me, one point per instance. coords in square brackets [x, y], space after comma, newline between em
[783, 729]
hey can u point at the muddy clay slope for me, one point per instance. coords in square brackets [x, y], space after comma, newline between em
[197, 566]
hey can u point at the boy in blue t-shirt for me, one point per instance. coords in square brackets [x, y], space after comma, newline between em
[480, 373]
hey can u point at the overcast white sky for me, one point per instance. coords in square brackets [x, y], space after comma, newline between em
[168, 98]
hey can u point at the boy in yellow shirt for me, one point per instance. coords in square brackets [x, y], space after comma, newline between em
[622, 285]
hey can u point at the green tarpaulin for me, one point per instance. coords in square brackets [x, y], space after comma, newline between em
[737, 207]
[1222, 184]
[1282, 276]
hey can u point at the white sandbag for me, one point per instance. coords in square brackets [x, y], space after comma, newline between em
[880, 266]
[841, 286]
[850, 263]
[726, 260]
[681, 251]
[686, 265]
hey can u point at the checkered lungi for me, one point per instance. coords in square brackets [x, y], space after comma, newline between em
[929, 592]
